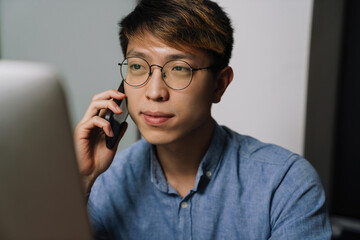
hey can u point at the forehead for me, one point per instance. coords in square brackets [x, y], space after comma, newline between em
[150, 47]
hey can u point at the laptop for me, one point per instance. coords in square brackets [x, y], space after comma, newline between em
[41, 195]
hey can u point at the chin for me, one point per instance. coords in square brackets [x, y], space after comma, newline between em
[158, 137]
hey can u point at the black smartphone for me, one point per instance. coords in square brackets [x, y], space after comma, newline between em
[117, 121]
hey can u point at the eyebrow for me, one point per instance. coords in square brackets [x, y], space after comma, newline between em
[134, 53]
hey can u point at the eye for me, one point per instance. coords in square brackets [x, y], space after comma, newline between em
[178, 68]
[136, 67]
[181, 68]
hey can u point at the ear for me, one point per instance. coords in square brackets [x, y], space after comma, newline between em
[223, 79]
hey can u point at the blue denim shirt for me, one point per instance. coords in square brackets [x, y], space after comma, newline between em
[245, 189]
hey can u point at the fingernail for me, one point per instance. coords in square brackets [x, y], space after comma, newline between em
[111, 134]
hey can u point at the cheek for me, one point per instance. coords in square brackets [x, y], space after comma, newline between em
[130, 107]
[203, 90]
[197, 104]
[131, 102]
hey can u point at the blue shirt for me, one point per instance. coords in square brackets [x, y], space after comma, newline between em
[244, 189]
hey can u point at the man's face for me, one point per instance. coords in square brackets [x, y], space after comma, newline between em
[164, 115]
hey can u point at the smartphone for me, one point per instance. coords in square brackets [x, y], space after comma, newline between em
[117, 121]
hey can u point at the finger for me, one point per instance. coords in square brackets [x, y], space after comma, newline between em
[112, 93]
[94, 122]
[107, 95]
[102, 113]
[95, 108]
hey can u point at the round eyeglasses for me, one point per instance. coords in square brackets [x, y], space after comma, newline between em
[176, 74]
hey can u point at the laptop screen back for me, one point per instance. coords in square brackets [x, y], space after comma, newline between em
[40, 189]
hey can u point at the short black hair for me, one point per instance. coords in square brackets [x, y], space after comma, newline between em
[199, 24]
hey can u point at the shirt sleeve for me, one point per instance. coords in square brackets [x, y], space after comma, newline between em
[298, 208]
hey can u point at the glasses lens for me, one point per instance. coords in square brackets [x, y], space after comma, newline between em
[177, 74]
[135, 71]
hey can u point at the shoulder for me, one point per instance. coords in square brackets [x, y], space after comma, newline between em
[133, 155]
[285, 182]
[251, 148]
[268, 161]
[128, 165]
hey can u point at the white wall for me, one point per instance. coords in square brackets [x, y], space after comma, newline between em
[79, 37]
[267, 98]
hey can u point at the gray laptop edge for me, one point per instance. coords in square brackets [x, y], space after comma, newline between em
[40, 189]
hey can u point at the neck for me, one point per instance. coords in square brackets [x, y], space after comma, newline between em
[180, 160]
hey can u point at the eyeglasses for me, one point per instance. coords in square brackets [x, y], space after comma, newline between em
[176, 74]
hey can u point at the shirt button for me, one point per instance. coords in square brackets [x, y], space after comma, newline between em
[208, 174]
[184, 205]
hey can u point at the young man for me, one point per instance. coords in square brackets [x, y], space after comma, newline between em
[189, 178]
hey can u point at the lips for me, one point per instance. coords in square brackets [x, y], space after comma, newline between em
[156, 118]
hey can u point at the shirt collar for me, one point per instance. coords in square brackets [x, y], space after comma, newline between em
[207, 165]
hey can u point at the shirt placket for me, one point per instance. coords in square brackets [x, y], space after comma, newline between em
[184, 219]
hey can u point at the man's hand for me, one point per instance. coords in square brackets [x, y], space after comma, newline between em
[92, 154]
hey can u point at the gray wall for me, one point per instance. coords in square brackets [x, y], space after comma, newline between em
[267, 98]
[78, 37]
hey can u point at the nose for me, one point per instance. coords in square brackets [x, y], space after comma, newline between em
[156, 89]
